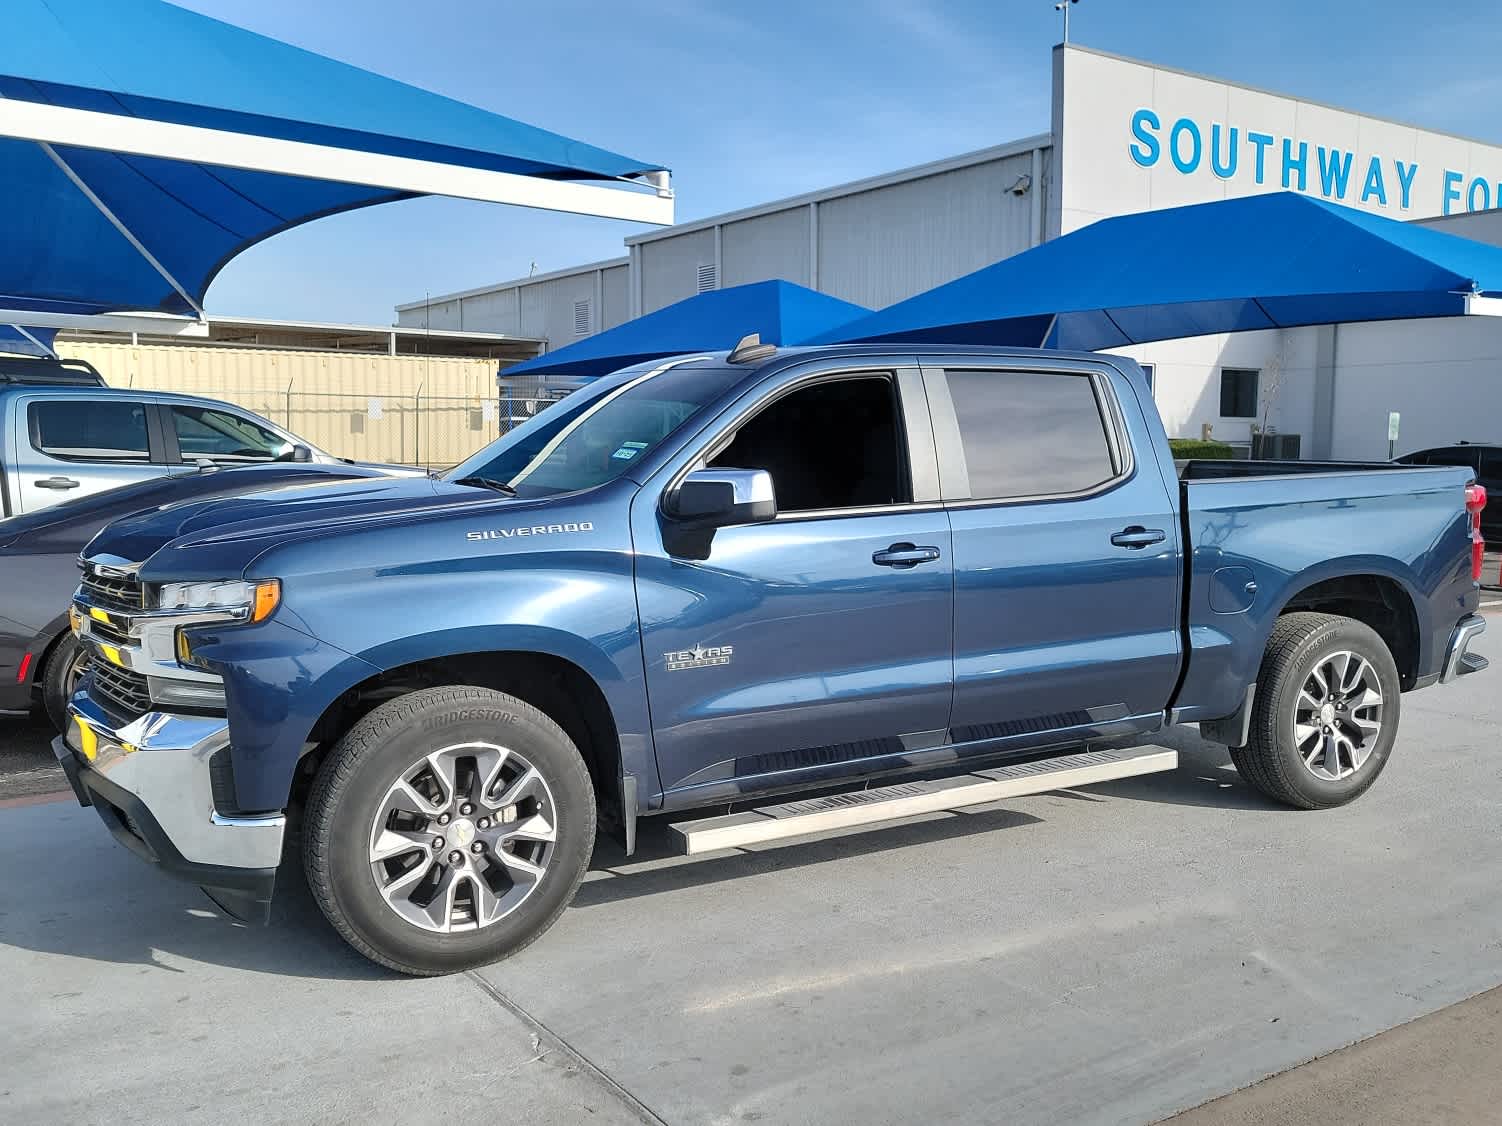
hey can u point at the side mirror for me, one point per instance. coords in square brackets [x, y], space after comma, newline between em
[715, 498]
[301, 452]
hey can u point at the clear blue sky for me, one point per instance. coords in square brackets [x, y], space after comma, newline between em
[747, 102]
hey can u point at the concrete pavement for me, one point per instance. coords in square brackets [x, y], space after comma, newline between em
[1105, 956]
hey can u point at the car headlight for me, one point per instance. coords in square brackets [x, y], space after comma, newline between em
[255, 600]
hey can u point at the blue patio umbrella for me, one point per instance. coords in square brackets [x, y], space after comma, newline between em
[779, 311]
[142, 146]
[1265, 261]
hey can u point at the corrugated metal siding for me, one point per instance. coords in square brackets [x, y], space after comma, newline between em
[670, 268]
[495, 311]
[548, 307]
[884, 245]
[440, 314]
[432, 409]
[766, 247]
[617, 291]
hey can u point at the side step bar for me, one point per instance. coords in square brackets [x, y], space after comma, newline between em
[888, 803]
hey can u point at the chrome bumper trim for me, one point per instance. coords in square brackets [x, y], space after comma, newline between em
[163, 760]
[1457, 661]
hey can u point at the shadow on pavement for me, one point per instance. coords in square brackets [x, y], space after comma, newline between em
[69, 889]
[1205, 777]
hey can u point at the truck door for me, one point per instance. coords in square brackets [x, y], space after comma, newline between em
[1066, 553]
[71, 444]
[822, 638]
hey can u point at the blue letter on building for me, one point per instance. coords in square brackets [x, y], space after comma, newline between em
[1301, 165]
[1405, 181]
[1181, 126]
[1452, 188]
[1260, 141]
[1486, 195]
[1334, 172]
[1228, 169]
[1146, 149]
[1374, 188]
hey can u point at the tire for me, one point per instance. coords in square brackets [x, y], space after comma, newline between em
[444, 743]
[1299, 752]
[65, 665]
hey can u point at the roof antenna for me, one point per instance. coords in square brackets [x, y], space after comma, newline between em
[750, 349]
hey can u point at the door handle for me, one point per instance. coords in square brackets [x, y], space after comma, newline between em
[56, 483]
[904, 556]
[1138, 536]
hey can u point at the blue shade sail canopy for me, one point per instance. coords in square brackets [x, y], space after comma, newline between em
[1267, 261]
[779, 311]
[143, 145]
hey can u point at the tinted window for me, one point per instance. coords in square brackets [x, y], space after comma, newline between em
[588, 439]
[85, 430]
[203, 432]
[1491, 463]
[1030, 434]
[831, 445]
[1238, 392]
[1455, 455]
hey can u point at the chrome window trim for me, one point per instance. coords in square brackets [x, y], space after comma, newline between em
[951, 443]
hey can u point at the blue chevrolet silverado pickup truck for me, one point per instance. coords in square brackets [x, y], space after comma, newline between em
[813, 588]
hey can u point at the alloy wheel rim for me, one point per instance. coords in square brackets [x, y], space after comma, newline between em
[76, 668]
[462, 837]
[1337, 718]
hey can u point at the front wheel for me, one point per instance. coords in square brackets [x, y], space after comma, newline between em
[449, 828]
[1325, 713]
[66, 664]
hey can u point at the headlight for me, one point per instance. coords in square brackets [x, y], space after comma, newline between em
[256, 600]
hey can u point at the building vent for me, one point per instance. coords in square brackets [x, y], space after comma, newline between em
[708, 277]
[581, 318]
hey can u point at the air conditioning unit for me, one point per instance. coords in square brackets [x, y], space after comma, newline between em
[1275, 447]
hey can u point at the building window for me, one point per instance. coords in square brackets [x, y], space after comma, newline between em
[708, 277]
[1238, 392]
[581, 318]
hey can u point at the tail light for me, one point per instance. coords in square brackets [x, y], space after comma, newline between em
[1475, 501]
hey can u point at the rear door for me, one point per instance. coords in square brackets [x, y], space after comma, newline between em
[1066, 553]
[73, 444]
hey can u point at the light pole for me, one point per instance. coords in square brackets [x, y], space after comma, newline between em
[1064, 6]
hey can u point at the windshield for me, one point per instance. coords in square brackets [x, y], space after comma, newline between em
[593, 436]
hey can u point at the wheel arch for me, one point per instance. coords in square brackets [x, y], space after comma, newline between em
[1377, 597]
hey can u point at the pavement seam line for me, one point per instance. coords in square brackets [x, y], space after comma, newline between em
[642, 1111]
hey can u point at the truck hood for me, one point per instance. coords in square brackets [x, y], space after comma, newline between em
[219, 536]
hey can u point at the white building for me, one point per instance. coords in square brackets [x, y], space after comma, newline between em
[1126, 136]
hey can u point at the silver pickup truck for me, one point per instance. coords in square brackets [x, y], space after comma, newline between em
[64, 434]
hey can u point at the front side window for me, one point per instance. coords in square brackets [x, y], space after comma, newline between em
[1028, 433]
[216, 435]
[89, 430]
[589, 438]
[1238, 392]
[832, 445]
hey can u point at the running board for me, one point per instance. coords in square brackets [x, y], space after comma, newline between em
[888, 803]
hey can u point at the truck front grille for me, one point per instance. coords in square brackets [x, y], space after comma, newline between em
[120, 690]
[123, 592]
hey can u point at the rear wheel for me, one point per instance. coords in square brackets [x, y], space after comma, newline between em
[449, 828]
[66, 664]
[1325, 714]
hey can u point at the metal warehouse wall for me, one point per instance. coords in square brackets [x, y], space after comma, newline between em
[874, 242]
[418, 410]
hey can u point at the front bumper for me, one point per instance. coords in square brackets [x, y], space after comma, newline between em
[151, 782]
[1458, 660]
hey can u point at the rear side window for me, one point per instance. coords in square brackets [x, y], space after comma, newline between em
[1491, 462]
[1030, 433]
[89, 430]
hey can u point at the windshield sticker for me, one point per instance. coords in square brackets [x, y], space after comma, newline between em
[534, 530]
[629, 450]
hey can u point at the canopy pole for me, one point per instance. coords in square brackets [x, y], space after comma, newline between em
[122, 228]
[48, 351]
